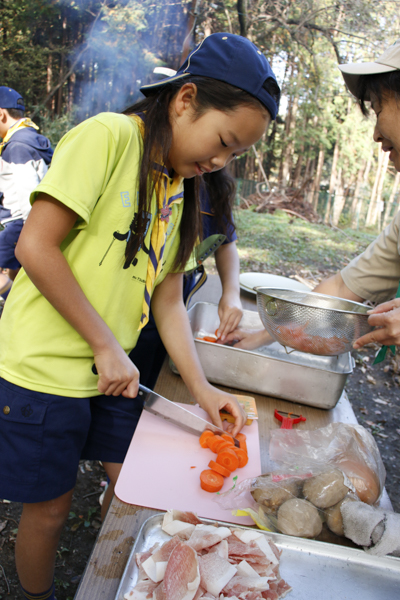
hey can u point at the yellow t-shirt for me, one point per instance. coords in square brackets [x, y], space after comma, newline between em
[94, 172]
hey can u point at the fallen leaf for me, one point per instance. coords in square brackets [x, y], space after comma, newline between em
[379, 401]
[371, 379]
[3, 525]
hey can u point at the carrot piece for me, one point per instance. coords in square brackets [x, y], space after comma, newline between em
[228, 438]
[219, 468]
[242, 456]
[206, 338]
[211, 481]
[227, 458]
[204, 437]
[242, 441]
[213, 441]
[221, 446]
[216, 332]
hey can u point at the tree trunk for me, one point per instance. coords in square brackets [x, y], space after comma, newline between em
[374, 207]
[389, 204]
[287, 156]
[241, 9]
[317, 179]
[339, 198]
[332, 181]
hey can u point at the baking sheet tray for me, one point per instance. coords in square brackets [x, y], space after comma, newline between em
[315, 570]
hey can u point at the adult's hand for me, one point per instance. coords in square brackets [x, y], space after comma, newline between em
[386, 318]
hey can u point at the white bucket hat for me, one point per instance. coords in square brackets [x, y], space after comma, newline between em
[389, 61]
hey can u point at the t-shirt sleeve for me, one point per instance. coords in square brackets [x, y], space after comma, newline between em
[82, 166]
[374, 275]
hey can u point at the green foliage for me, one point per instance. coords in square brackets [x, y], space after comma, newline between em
[280, 243]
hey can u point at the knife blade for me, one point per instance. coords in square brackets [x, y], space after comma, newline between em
[177, 415]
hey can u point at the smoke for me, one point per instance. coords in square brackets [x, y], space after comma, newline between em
[124, 43]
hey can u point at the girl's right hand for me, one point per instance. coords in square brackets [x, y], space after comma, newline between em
[117, 373]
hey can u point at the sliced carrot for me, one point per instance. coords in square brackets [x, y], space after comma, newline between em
[228, 459]
[221, 446]
[206, 338]
[211, 481]
[219, 468]
[242, 456]
[213, 441]
[242, 441]
[228, 438]
[204, 437]
[216, 332]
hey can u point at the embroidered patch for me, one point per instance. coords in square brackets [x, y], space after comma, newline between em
[27, 411]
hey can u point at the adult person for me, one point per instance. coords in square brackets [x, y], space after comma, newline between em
[25, 156]
[375, 274]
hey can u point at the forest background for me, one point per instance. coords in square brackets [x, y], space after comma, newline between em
[71, 59]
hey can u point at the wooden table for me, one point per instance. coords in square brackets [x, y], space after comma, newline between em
[123, 521]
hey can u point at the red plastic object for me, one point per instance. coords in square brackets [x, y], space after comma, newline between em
[287, 420]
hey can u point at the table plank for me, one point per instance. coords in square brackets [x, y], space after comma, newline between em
[123, 521]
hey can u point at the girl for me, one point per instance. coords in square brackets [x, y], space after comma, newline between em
[373, 275]
[108, 231]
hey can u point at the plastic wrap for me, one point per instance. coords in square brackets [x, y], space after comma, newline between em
[313, 473]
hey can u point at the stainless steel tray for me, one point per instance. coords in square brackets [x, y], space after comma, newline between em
[300, 377]
[315, 570]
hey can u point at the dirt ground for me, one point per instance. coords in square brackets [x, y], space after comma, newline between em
[374, 392]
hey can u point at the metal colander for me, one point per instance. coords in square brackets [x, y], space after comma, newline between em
[310, 322]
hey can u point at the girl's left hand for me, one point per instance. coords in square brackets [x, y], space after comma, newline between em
[212, 400]
[386, 317]
[230, 313]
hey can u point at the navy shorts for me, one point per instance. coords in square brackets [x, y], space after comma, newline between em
[43, 437]
[8, 240]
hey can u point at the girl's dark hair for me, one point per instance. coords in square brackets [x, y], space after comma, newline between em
[380, 85]
[211, 94]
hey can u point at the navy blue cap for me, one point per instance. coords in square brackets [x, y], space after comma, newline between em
[9, 98]
[230, 58]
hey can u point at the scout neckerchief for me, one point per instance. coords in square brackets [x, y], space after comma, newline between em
[25, 122]
[168, 192]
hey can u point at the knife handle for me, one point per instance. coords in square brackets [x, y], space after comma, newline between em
[142, 389]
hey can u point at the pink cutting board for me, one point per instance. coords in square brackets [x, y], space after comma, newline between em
[157, 471]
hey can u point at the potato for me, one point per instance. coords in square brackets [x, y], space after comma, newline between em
[325, 489]
[271, 494]
[334, 518]
[299, 517]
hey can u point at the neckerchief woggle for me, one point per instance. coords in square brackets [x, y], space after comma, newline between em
[168, 193]
[25, 122]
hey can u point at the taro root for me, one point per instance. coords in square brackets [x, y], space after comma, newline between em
[325, 489]
[271, 494]
[334, 518]
[299, 517]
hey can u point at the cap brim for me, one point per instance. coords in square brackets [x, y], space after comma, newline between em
[352, 72]
[148, 89]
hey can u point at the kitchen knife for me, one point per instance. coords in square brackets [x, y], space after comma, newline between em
[175, 414]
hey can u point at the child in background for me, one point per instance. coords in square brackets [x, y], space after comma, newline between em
[108, 232]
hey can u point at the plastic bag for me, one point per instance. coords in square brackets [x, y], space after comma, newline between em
[313, 473]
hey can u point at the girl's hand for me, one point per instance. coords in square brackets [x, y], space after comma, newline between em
[386, 317]
[117, 373]
[212, 400]
[248, 339]
[230, 313]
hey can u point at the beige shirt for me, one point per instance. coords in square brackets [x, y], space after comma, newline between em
[374, 275]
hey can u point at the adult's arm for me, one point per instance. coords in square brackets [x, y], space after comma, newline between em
[230, 307]
[174, 328]
[38, 250]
